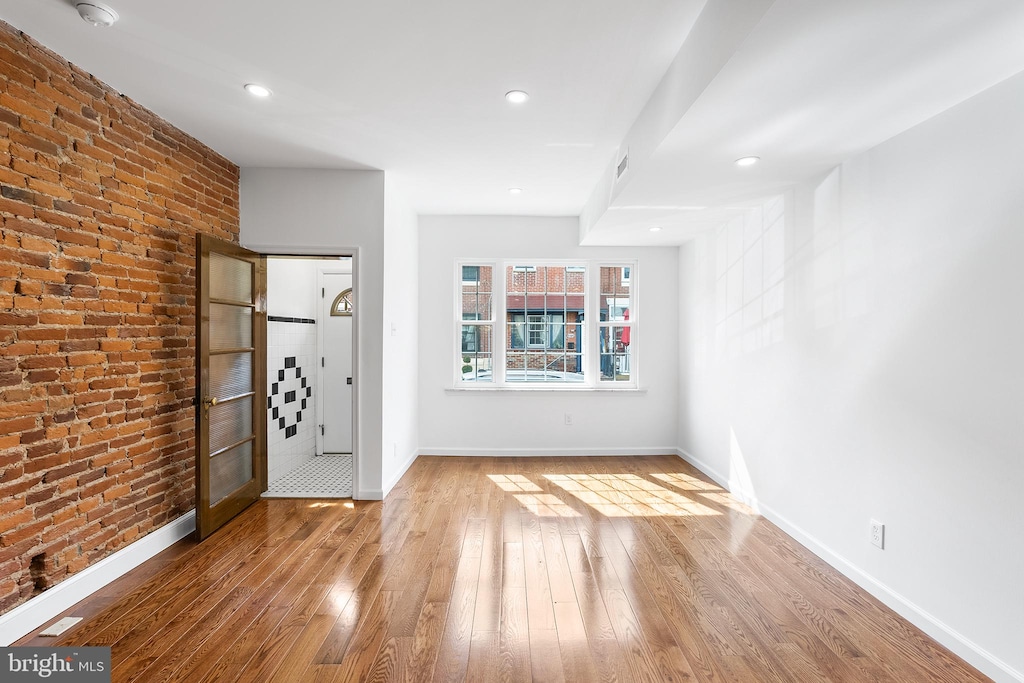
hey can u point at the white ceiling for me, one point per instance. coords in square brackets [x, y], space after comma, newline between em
[416, 89]
[413, 88]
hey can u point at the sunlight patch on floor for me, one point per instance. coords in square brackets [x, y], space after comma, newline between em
[545, 505]
[628, 495]
[513, 482]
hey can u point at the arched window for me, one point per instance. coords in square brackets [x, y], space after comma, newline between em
[343, 303]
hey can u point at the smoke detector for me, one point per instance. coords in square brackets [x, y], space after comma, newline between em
[96, 13]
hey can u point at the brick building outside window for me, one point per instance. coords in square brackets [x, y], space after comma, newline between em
[539, 311]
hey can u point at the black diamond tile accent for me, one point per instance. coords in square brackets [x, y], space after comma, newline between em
[298, 417]
[275, 415]
[298, 372]
[290, 432]
[280, 423]
[303, 382]
[280, 375]
[309, 392]
[303, 404]
[289, 397]
[289, 362]
[273, 389]
[270, 402]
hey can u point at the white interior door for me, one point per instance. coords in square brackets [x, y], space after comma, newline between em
[336, 365]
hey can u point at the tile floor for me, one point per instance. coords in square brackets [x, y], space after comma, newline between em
[325, 476]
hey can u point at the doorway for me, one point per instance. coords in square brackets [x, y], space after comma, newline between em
[303, 340]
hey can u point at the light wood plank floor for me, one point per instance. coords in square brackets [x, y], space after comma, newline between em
[487, 569]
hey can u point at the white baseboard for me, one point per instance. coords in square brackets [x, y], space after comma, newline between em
[388, 485]
[962, 646]
[544, 452]
[30, 615]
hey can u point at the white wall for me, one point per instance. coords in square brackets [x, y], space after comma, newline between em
[291, 287]
[883, 378]
[304, 211]
[401, 332]
[530, 422]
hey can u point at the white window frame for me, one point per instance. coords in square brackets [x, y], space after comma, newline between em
[587, 343]
[478, 322]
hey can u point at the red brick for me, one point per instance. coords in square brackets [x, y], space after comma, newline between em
[100, 202]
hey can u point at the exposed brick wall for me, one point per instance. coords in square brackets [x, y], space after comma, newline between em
[100, 202]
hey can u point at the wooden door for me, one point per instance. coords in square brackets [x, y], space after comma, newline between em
[231, 362]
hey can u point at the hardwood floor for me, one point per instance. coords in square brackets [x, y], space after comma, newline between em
[512, 569]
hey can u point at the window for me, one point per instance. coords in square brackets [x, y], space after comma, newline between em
[529, 325]
[615, 333]
[537, 330]
[615, 327]
[476, 323]
[343, 303]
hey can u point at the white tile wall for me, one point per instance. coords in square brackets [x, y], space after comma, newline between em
[290, 340]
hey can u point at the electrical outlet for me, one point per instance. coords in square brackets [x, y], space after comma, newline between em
[877, 534]
[568, 419]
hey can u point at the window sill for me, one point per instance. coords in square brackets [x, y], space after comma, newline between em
[561, 389]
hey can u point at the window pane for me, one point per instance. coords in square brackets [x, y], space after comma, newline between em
[476, 293]
[544, 321]
[476, 356]
[615, 354]
[615, 281]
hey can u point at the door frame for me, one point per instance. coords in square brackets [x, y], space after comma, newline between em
[269, 251]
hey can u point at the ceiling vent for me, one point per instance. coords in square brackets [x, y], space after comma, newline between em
[622, 166]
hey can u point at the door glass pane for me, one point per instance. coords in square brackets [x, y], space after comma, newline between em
[230, 374]
[230, 327]
[230, 278]
[230, 470]
[230, 423]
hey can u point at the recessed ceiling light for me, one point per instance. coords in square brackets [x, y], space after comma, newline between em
[656, 228]
[257, 90]
[96, 13]
[515, 190]
[747, 161]
[516, 96]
